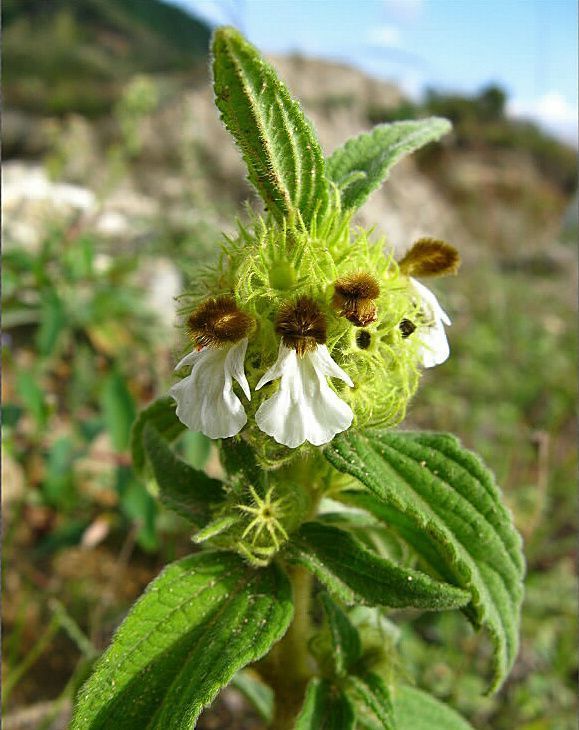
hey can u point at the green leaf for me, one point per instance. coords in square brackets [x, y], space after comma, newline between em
[416, 710]
[30, 391]
[238, 460]
[445, 502]
[185, 490]
[204, 618]
[325, 708]
[52, 322]
[374, 153]
[196, 447]
[372, 701]
[345, 638]
[58, 485]
[118, 409]
[160, 414]
[256, 692]
[354, 574]
[280, 149]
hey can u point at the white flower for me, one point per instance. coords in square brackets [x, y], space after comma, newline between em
[435, 349]
[304, 408]
[205, 398]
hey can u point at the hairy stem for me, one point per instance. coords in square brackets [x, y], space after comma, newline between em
[288, 668]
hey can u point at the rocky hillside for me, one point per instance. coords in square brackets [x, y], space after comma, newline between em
[67, 56]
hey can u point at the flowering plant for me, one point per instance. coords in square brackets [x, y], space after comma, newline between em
[306, 343]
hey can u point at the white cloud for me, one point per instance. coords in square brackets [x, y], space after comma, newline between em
[385, 36]
[404, 10]
[552, 110]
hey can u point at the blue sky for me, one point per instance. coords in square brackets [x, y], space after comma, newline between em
[527, 46]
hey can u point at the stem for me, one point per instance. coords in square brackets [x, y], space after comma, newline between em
[288, 667]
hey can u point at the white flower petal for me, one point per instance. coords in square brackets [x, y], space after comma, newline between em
[435, 349]
[324, 364]
[304, 408]
[234, 365]
[205, 398]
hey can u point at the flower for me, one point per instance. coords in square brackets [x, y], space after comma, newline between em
[304, 408]
[435, 349]
[205, 399]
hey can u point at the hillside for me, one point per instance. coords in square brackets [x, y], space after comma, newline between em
[68, 56]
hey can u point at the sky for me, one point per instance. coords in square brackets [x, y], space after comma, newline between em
[529, 47]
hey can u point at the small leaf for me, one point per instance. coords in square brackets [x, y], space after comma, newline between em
[372, 701]
[238, 460]
[185, 490]
[203, 619]
[325, 708]
[58, 485]
[416, 710]
[52, 323]
[280, 149]
[445, 503]
[375, 153]
[355, 574]
[118, 409]
[256, 692]
[196, 447]
[345, 637]
[32, 396]
[160, 414]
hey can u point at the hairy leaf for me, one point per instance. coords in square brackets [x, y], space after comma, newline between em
[416, 710]
[325, 708]
[160, 414]
[374, 153]
[204, 618]
[345, 637]
[280, 149]
[372, 701]
[354, 574]
[183, 489]
[442, 499]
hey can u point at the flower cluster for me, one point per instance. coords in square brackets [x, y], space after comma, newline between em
[338, 331]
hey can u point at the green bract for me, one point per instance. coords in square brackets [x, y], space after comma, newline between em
[350, 330]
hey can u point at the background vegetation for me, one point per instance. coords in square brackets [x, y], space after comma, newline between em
[117, 185]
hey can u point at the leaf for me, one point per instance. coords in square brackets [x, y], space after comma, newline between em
[118, 409]
[238, 460]
[416, 710]
[355, 574]
[204, 618]
[58, 484]
[32, 396]
[196, 447]
[256, 692]
[185, 490]
[161, 414]
[325, 708]
[345, 638]
[445, 502]
[375, 153]
[372, 701]
[280, 149]
[52, 322]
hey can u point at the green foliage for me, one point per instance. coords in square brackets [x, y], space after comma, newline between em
[118, 409]
[445, 504]
[325, 708]
[356, 575]
[161, 415]
[416, 710]
[345, 638]
[204, 618]
[362, 164]
[372, 701]
[185, 490]
[282, 154]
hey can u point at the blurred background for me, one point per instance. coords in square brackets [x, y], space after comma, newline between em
[117, 183]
